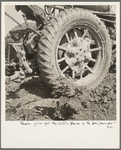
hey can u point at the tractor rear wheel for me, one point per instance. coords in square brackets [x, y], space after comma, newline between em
[75, 44]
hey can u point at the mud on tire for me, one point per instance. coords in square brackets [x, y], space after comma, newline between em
[54, 54]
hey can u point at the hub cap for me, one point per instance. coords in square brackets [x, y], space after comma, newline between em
[79, 53]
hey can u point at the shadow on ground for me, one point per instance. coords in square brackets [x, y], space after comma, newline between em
[32, 100]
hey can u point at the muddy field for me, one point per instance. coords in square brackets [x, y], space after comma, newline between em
[33, 100]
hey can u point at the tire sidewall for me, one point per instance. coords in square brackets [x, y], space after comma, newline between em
[107, 52]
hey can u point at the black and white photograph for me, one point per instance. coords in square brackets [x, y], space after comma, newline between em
[61, 64]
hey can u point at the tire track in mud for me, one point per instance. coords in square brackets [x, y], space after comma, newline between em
[34, 100]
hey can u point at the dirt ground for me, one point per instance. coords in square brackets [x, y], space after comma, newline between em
[34, 100]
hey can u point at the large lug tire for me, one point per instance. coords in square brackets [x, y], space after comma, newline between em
[75, 44]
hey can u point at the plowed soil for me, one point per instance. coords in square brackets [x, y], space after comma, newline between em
[34, 100]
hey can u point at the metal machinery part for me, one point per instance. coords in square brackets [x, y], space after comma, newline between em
[82, 54]
[79, 51]
[23, 41]
[23, 64]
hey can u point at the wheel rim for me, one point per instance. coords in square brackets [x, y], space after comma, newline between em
[80, 53]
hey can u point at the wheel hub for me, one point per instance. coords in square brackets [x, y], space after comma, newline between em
[78, 54]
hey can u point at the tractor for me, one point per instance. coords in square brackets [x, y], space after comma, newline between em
[76, 42]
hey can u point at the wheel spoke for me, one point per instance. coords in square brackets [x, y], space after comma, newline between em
[61, 59]
[66, 68]
[62, 48]
[73, 74]
[75, 32]
[89, 69]
[95, 49]
[94, 60]
[81, 73]
[67, 37]
[84, 34]
[92, 42]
